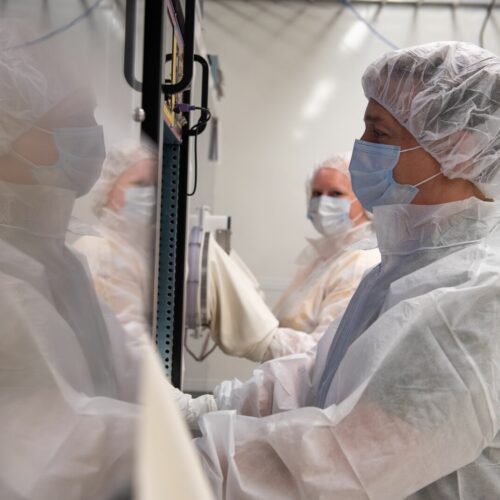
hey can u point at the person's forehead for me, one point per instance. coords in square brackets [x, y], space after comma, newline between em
[376, 113]
[143, 169]
[329, 178]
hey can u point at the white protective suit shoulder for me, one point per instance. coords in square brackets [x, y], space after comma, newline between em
[330, 270]
[121, 271]
[68, 374]
[406, 396]
[242, 323]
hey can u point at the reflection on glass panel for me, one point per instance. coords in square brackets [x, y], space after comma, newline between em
[120, 251]
[68, 369]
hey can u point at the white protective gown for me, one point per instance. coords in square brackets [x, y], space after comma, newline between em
[120, 258]
[413, 409]
[68, 372]
[330, 270]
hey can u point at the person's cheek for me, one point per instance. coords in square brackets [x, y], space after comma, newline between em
[403, 173]
[116, 199]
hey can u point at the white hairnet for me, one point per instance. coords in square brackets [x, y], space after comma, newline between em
[447, 95]
[119, 159]
[338, 162]
[33, 80]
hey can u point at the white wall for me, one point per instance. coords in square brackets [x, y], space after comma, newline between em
[293, 97]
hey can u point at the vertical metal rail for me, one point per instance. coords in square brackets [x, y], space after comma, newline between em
[170, 288]
[174, 161]
[172, 230]
[153, 53]
[169, 158]
[180, 256]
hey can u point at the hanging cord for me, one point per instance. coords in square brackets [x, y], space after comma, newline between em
[60, 30]
[369, 25]
[195, 130]
[205, 351]
[489, 10]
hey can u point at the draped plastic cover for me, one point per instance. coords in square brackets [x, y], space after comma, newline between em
[321, 289]
[167, 465]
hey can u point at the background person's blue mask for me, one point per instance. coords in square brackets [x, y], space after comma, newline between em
[371, 169]
[330, 216]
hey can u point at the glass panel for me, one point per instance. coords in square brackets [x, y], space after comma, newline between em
[77, 224]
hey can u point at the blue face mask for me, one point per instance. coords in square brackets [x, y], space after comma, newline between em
[330, 216]
[371, 171]
[81, 153]
[140, 202]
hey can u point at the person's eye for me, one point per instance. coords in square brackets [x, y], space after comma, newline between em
[335, 194]
[316, 194]
[378, 133]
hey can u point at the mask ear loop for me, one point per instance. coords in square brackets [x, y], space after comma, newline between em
[22, 157]
[409, 149]
[427, 180]
[360, 214]
[357, 217]
[41, 129]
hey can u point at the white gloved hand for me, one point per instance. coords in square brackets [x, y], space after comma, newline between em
[193, 408]
[240, 321]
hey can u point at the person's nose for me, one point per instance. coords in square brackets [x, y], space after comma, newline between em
[367, 136]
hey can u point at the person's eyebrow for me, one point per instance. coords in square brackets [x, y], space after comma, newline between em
[373, 118]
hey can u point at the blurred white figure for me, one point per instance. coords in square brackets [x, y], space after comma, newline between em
[68, 373]
[121, 254]
[331, 268]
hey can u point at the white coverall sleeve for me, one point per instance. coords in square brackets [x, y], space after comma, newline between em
[334, 299]
[286, 341]
[278, 385]
[241, 322]
[417, 399]
[192, 408]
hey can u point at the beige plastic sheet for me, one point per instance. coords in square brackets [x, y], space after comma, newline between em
[167, 464]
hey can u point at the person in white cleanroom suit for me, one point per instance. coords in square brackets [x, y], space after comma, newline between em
[67, 386]
[68, 370]
[329, 272]
[331, 267]
[404, 403]
[121, 253]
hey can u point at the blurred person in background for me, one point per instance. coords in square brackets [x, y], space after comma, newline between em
[69, 372]
[121, 253]
[329, 271]
[331, 267]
